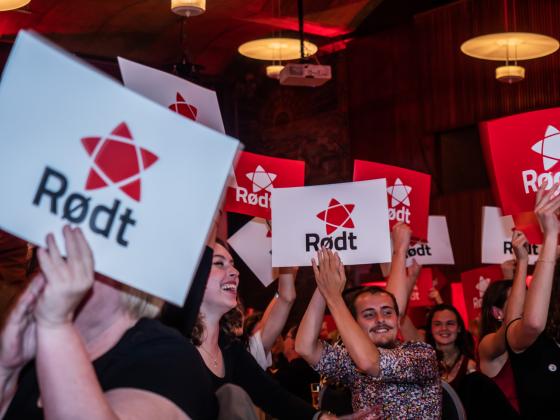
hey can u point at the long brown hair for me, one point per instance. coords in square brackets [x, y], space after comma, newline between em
[228, 322]
[495, 296]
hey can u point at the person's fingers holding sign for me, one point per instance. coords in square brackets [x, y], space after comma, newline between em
[519, 243]
[401, 235]
[329, 273]
[67, 280]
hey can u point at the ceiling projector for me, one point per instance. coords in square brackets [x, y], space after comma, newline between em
[313, 75]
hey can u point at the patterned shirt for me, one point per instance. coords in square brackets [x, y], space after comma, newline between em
[408, 385]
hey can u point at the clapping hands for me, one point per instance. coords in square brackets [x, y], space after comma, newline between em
[329, 273]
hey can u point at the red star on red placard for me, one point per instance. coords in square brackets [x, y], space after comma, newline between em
[116, 160]
[337, 215]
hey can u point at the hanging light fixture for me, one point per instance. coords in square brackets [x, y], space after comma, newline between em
[273, 70]
[510, 47]
[279, 48]
[276, 49]
[12, 4]
[188, 8]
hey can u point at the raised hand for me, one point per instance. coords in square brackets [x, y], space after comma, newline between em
[434, 295]
[18, 341]
[67, 280]
[546, 208]
[401, 235]
[413, 271]
[519, 243]
[329, 273]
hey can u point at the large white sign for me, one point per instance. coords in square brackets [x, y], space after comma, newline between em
[253, 243]
[496, 238]
[438, 248]
[143, 183]
[179, 95]
[351, 218]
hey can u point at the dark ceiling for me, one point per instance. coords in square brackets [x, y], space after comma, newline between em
[147, 31]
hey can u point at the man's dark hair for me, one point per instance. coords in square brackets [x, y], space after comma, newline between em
[351, 296]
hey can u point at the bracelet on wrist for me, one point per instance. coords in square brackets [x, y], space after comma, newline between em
[547, 261]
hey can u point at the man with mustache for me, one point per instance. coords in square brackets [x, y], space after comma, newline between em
[388, 378]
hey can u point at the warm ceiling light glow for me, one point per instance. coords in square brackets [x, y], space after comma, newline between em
[510, 74]
[12, 4]
[510, 46]
[188, 8]
[273, 71]
[276, 49]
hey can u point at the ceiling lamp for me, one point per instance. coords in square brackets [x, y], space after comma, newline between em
[273, 70]
[276, 49]
[510, 74]
[510, 47]
[12, 4]
[188, 8]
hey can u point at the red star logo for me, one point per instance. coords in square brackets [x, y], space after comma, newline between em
[337, 215]
[116, 160]
[183, 108]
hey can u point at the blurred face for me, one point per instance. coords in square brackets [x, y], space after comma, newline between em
[377, 317]
[221, 290]
[445, 327]
[289, 342]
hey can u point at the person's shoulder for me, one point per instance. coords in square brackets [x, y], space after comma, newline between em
[231, 343]
[418, 346]
[152, 334]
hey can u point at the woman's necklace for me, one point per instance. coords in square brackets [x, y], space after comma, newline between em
[214, 359]
[448, 368]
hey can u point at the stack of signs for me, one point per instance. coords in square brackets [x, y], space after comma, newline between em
[475, 282]
[350, 218]
[89, 152]
[521, 152]
[255, 178]
[253, 243]
[408, 192]
[437, 250]
[179, 95]
[496, 238]
[420, 293]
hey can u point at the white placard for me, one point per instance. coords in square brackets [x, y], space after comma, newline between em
[189, 99]
[253, 243]
[352, 218]
[496, 238]
[438, 248]
[76, 147]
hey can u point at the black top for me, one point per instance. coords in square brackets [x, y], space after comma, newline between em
[537, 378]
[297, 378]
[241, 369]
[150, 357]
[483, 399]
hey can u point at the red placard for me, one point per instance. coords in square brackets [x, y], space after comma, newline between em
[408, 194]
[528, 224]
[255, 177]
[419, 296]
[475, 282]
[521, 151]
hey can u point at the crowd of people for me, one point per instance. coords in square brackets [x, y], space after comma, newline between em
[78, 345]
